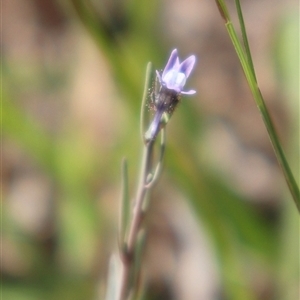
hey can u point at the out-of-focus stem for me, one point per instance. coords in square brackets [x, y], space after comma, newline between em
[244, 56]
[137, 213]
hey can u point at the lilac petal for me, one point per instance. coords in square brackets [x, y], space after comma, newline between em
[190, 92]
[173, 60]
[187, 65]
[174, 80]
[177, 64]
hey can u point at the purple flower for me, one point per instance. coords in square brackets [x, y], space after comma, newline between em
[171, 82]
[175, 73]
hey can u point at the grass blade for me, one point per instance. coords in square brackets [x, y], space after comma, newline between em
[247, 65]
[125, 206]
[244, 35]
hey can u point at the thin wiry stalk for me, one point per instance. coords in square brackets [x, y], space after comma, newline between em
[246, 62]
[127, 250]
[137, 214]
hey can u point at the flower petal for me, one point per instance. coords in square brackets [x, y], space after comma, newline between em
[190, 92]
[174, 80]
[173, 61]
[175, 74]
[187, 65]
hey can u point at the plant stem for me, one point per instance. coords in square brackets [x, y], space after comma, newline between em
[291, 182]
[134, 227]
[245, 58]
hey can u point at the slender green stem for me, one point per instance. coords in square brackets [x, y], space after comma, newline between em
[265, 116]
[155, 175]
[141, 192]
[124, 205]
[246, 62]
[146, 179]
[244, 35]
[135, 221]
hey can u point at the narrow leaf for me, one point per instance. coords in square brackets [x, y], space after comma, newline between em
[124, 205]
[244, 35]
[246, 61]
[147, 87]
[223, 10]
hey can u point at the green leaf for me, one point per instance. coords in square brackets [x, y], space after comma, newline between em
[124, 206]
[147, 87]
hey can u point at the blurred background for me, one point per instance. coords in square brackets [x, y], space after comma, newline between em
[221, 224]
